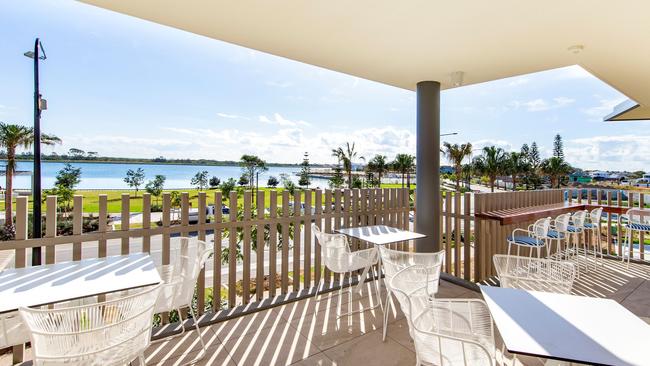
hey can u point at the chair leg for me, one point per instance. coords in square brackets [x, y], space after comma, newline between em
[386, 313]
[198, 333]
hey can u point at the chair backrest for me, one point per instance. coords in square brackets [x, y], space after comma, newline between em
[450, 332]
[536, 274]
[541, 226]
[595, 215]
[334, 248]
[106, 333]
[578, 218]
[394, 261]
[638, 216]
[562, 222]
[186, 262]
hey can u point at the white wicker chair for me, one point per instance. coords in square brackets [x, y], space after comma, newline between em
[337, 256]
[535, 274]
[179, 281]
[446, 332]
[637, 220]
[593, 225]
[394, 261]
[12, 330]
[114, 332]
[533, 238]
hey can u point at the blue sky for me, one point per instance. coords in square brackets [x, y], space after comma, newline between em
[122, 86]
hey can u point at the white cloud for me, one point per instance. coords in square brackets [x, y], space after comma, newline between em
[623, 152]
[281, 121]
[540, 104]
[604, 107]
[231, 116]
[480, 144]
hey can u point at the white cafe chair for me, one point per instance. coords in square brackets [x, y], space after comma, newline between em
[559, 232]
[637, 221]
[592, 224]
[179, 282]
[337, 256]
[576, 230]
[535, 274]
[445, 332]
[394, 261]
[534, 238]
[114, 332]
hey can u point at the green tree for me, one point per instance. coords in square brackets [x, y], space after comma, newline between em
[337, 181]
[405, 165]
[214, 182]
[12, 137]
[200, 180]
[243, 180]
[251, 165]
[226, 187]
[534, 157]
[378, 165]
[515, 165]
[558, 147]
[456, 154]
[155, 187]
[555, 168]
[272, 182]
[64, 185]
[491, 163]
[305, 172]
[287, 183]
[347, 157]
[134, 178]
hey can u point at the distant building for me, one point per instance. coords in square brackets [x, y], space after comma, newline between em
[579, 177]
[447, 169]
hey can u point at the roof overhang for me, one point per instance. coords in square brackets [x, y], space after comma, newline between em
[402, 43]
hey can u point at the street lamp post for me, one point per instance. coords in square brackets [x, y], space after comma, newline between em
[39, 105]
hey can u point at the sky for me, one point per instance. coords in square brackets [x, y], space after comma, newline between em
[121, 86]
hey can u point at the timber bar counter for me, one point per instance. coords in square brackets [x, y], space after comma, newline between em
[497, 214]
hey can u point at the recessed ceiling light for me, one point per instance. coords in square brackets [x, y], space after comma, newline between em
[576, 48]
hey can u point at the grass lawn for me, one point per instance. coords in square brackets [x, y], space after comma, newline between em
[91, 198]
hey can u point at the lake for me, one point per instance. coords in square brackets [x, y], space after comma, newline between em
[111, 175]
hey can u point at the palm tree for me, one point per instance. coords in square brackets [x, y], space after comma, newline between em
[491, 163]
[456, 154]
[12, 137]
[378, 165]
[555, 168]
[346, 157]
[515, 165]
[404, 164]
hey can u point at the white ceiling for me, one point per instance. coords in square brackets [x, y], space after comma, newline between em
[401, 43]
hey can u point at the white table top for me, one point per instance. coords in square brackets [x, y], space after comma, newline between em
[47, 284]
[569, 328]
[380, 234]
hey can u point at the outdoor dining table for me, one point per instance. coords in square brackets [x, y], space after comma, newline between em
[379, 235]
[53, 283]
[567, 327]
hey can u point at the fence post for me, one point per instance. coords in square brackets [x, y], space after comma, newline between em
[124, 221]
[50, 228]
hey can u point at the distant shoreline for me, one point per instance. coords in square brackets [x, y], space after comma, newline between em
[156, 162]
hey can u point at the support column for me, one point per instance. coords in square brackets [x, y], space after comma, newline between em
[428, 166]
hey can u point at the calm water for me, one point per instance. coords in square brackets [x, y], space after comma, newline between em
[111, 176]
